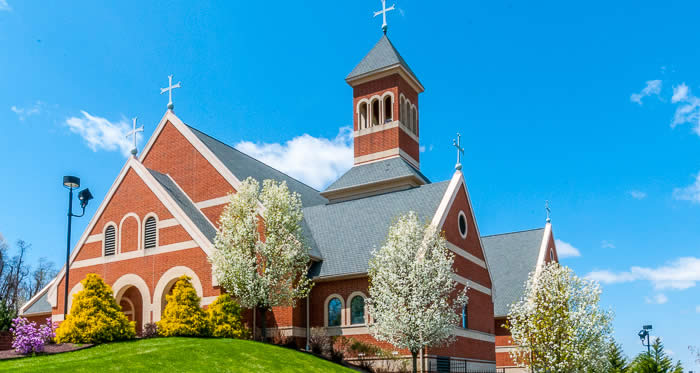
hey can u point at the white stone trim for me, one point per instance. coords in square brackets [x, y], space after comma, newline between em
[95, 238]
[386, 71]
[121, 231]
[543, 248]
[205, 301]
[76, 288]
[342, 310]
[384, 127]
[349, 307]
[457, 250]
[506, 348]
[286, 331]
[347, 330]
[168, 278]
[475, 334]
[213, 202]
[135, 254]
[390, 153]
[124, 283]
[57, 318]
[143, 229]
[167, 223]
[471, 284]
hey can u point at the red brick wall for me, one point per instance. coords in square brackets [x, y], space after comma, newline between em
[5, 341]
[467, 348]
[551, 246]
[129, 234]
[173, 154]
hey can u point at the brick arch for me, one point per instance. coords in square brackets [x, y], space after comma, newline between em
[77, 288]
[165, 284]
[132, 280]
[129, 233]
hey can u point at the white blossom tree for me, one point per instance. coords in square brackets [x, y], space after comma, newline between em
[558, 325]
[413, 297]
[260, 256]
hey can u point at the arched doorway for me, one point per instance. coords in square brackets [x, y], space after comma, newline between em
[165, 285]
[131, 302]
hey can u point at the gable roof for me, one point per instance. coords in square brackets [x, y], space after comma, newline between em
[38, 306]
[375, 172]
[185, 204]
[244, 166]
[384, 55]
[512, 257]
[347, 232]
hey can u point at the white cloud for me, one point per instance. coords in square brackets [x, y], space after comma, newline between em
[101, 134]
[566, 250]
[680, 274]
[680, 93]
[4, 6]
[637, 194]
[423, 149]
[690, 193]
[605, 244]
[314, 160]
[688, 109]
[24, 113]
[657, 299]
[653, 88]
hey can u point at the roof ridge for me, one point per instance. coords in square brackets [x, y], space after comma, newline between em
[380, 194]
[254, 159]
[514, 232]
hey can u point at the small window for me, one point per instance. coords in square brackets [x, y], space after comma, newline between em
[414, 120]
[357, 310]
[462, 222]
[388, 110]
[334, 312]
[551, 254]
[375, 113]
[110, 240]
[465, 314]
[150, 233]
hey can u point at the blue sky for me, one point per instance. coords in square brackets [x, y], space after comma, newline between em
[589, 105]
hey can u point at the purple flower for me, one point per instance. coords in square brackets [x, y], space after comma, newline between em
[28, 337]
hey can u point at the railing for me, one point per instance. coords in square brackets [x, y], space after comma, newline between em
[447, 365]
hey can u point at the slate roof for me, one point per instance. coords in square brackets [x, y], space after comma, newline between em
[511, 258]
[383, 55]
[244, 166]
[41, 305]
[347, 232]
[186, 205]
[376, 171]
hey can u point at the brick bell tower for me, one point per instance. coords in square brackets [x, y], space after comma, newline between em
[385, 106]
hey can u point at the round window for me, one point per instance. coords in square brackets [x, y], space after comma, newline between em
[462, 220]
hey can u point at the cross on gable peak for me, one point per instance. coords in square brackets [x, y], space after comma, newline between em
[169, 89]
[383, 12]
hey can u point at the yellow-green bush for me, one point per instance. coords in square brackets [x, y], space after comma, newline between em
[95, 316]
[183, 316]
[225, 318]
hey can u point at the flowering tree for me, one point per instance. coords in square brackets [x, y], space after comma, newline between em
[413, 297]
[558, 325]
[262, 260]
[30, 338]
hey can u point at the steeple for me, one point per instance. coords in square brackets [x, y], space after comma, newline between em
[385, 106]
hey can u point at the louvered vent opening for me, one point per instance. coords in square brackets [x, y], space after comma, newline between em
[110, 240]
[150, 235]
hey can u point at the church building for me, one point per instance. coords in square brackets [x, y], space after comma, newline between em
[159, 219]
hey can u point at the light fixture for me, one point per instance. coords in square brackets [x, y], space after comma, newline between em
[71, 182]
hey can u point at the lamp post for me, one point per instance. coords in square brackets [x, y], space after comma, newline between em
[72, 182]
[645, 333]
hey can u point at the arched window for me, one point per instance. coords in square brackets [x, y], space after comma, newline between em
[375, 113]
[357, 310]
[551, 254]
[388, 110]
[335, 308]
[150, 235]
[363, 115]
[404, 116]
[465, 314]
[414, 120]
[110, 240]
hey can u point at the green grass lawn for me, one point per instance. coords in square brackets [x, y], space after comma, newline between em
[168, 355]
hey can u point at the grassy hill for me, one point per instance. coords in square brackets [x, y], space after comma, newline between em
[169, 355]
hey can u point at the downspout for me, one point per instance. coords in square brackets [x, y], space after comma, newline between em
[308, 330]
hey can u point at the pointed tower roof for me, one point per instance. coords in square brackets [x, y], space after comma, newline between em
[382, 58]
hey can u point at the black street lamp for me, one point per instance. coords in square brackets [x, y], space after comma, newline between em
[72, 182]
[644, 333]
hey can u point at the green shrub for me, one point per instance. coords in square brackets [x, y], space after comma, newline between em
[95, 316]
[225, 318]
[183, 316]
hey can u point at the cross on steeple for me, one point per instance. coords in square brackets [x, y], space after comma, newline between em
[169, 89]
[460, 151]
[383, 12]
[549, 211]
[133, 133]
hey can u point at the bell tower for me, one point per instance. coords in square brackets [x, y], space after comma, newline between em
[385, 106]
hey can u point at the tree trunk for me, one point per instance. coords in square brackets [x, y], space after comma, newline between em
[262, 316]
[255, 324]
[414, 355]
